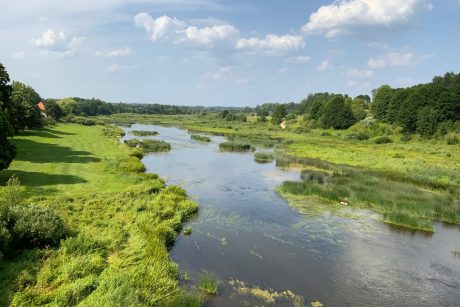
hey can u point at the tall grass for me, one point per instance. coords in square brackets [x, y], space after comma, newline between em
[208, 284]
[144, 133]
[200, 138]
[263, 156]
[233, 146]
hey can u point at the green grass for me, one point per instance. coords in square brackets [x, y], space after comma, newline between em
[208, 284]
[264, 157]
[200, 138]
[122, 222]
[147, 146]
[234, 146]
[144, 133]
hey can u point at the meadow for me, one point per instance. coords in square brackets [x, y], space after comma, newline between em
[120, 224]
[409, 180]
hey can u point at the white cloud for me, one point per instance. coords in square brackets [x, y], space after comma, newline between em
[208, 35]
[392, 59]
[359, 73]
[348, 16]
[56, 42]
[301, 59]
[19, 55]
[124, 51]
[325, 65]
[50, 38]
[378, 45]
[272, 43]
[178, 31]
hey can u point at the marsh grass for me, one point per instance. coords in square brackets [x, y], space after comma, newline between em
[154, 146]
[144, 133]
[187, 231]
[263, 156]
[234, 146]
[407, 221]
[208, 284]
[200, 138]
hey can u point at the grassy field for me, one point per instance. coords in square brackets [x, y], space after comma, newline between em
[410, 181]
[121, 223]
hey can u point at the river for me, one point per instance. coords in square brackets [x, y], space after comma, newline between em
[259, 247]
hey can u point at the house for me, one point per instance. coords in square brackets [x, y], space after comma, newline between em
[42, 108]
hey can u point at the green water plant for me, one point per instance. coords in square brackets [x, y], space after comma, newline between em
[208, 284]
[263, 156]
[200, 138]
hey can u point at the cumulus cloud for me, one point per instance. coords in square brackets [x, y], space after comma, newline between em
[272, 43]
[325, 65]
[178, 31]
[348, 16]
[119, 68]
[222, 73]
[56, 42]
[19, 55]
[301, 59]
[392, 59]
[124, 51]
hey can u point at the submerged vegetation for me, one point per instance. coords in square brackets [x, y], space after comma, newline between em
[106, 224]
[200, 138]
[263, 156]
[235, 146]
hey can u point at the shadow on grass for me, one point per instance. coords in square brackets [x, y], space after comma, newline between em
[37, 152]
[44, 133]
[36, 179]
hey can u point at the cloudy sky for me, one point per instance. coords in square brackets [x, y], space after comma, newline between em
[234, 52]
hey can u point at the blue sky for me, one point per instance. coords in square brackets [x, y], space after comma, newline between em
[231, 53]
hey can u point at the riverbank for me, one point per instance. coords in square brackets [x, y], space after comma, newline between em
[399, 176]
[121, 222]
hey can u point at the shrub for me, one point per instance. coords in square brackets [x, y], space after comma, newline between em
[383, 140]
[12, 193]
[406, 137]
[360, 136]
[453, 140]
[131, 143]
[36, 226]
[130, 164]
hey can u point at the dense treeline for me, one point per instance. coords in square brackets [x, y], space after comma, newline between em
[424, 108]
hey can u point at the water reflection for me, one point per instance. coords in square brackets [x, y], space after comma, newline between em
[245, 232]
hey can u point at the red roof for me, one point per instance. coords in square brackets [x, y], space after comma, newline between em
[41, 106]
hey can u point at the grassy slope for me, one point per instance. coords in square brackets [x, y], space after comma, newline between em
[408, 182]
[122, 223]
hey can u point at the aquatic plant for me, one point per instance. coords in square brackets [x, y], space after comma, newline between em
[154, 146]
[200, 138]
[132, 143]
[233, 146]
[144, 133]
[208, 283]
[263, 156]
[187, 231]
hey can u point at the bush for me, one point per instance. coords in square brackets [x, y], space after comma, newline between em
[36, 226]
[406, 137]
[383, 140]
[453, 140]
[360, 136]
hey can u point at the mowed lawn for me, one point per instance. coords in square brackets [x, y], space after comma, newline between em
[67, 158]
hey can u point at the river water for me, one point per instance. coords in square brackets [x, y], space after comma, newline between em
[259, 247]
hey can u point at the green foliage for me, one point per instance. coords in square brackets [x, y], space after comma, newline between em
[336, 114]
[154, 146]
[383, 140]
[278, 114]
[36, 226]
[427, 122]
[24, 112]
[208, 284]
[12, 193]
[7, 150]
[235, 146]
[53, 109]
[360, 136]
[381, 101]
[200, 138]
[262, 156]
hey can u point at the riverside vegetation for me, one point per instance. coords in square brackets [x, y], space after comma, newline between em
[111, 224]
[410, 180]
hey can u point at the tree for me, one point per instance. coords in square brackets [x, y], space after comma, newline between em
[337, 114]
[381, 101]
[427, 122]
[278, 114]
[408, 111]
[7, 150]
[53, 109]
[24, 111]
[358, 107]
